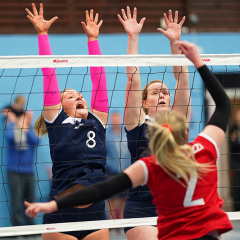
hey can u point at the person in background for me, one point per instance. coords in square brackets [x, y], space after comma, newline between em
[17, 108]
[118, 159]
[234, 146]
[21, 145]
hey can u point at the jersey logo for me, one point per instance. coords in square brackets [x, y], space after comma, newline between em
[73, 121]
[197, 147]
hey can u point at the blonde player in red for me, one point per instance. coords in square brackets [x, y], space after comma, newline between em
[182, 177]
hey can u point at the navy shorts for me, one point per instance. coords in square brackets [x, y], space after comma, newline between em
[206, 238]
[139, 208]
[94, 212]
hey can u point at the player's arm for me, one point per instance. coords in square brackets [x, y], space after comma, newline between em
[217, 125]
[94, 193]
[51, 94]
[133, 114]
[99, 98]
[182, 99]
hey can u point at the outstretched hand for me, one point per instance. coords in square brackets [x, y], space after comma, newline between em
[34, 208]
[130, 23]
[173, 31]
[191, 52]
[39, 23]
[92, 27]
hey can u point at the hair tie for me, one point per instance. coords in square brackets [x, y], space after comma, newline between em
[166, 125]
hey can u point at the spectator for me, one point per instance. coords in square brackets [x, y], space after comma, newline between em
[234, 145]
[118, 158]
[21, 143]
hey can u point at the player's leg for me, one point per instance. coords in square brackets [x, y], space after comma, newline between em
[110, 204]
[102, 234]
[121, 204]
[28, 185]
[142, 233]
[236, 184]
[16, 198]
[94, 212]
[137, 206]
[57, 236]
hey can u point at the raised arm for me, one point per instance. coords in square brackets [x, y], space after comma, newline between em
[182, 99]
[51, 94]
[217, 125]
[133, 114]
[99, 98]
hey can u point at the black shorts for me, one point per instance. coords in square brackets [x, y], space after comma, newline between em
[139, 209]
[206, 238]
[94, 212]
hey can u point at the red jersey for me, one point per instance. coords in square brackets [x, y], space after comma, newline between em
[188, 212]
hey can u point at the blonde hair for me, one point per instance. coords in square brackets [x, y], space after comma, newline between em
[20, 100]
[169, 148]
[145, 91]
[40, 128]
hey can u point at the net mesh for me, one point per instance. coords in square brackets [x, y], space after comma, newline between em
[23, 76]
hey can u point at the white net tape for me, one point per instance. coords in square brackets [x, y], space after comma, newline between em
[60, 61]
[80, 226]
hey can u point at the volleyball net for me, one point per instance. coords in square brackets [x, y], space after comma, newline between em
[21, 75]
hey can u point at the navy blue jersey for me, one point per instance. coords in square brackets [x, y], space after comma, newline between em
[138, 148]
[77, 148]
[138, 142]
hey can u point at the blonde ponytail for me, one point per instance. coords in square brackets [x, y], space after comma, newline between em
[169, 148]
[40, 128]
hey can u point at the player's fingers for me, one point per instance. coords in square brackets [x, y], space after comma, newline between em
[34, 10]
[182, 21]
[161, 30]
[41, 9]
[176, 17]
[182, 49]
[29, 13]
[30, 19]
[91, 15]
[53, 20]
[26, 203]
[120, 19]
[128, 12]
[142, 21]
[170, 16]
[87, 16]
[100, 23]
[166, 19]
[184, 44]
[96, 18]
[27, 212]
[135, 13]
[84, 26]
[124, 15]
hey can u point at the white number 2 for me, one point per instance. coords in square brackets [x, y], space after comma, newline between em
[188, 202]
[91, 143]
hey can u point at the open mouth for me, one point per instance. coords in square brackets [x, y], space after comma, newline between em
[80, 105]
[161, 103]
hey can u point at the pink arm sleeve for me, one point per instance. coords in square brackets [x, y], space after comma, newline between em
[99, 99]
[51, 94]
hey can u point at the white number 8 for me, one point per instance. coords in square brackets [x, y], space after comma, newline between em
[91, 135]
